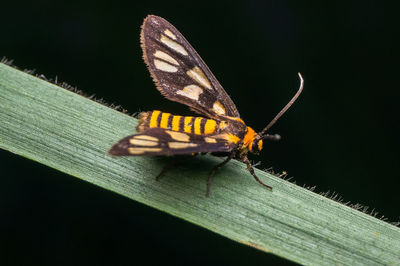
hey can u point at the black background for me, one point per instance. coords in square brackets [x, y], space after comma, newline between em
[341, 135]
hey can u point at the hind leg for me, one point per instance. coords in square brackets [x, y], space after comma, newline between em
[173, 164]
[214, 170]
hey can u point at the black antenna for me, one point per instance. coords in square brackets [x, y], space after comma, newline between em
[273, 121]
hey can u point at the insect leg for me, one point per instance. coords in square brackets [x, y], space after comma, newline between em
[172, 164]
[251, 170]
[211, 175]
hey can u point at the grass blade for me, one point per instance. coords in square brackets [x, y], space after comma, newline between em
[71, 133]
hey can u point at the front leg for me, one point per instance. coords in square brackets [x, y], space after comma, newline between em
[251, 170]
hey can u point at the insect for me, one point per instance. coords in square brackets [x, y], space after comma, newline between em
[181, 76]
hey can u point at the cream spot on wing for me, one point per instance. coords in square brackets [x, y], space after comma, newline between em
[210, 140]
[181, 145]
[138, 151]
[141, 142]
[163, 66]
[178, 136]
[228, 137]
[219, 108]
[170, 34]
[197, 75]
[145, 137]
[191, 91]
[166, 57]
[221, 136]
[173, 45]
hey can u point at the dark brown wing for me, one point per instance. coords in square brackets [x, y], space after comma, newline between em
[158, 141]
[179, 72]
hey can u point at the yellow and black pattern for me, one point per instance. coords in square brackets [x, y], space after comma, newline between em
[181, 76]
[187, 124]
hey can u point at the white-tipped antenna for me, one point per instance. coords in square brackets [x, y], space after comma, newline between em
[273, 121]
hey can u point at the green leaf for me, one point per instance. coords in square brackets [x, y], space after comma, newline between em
[71, 133]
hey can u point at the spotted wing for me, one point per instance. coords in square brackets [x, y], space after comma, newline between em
[179, 72]
[158, 141]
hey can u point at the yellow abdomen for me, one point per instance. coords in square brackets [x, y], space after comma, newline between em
[187, 124]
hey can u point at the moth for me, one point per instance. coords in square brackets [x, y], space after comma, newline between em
[181, 76]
